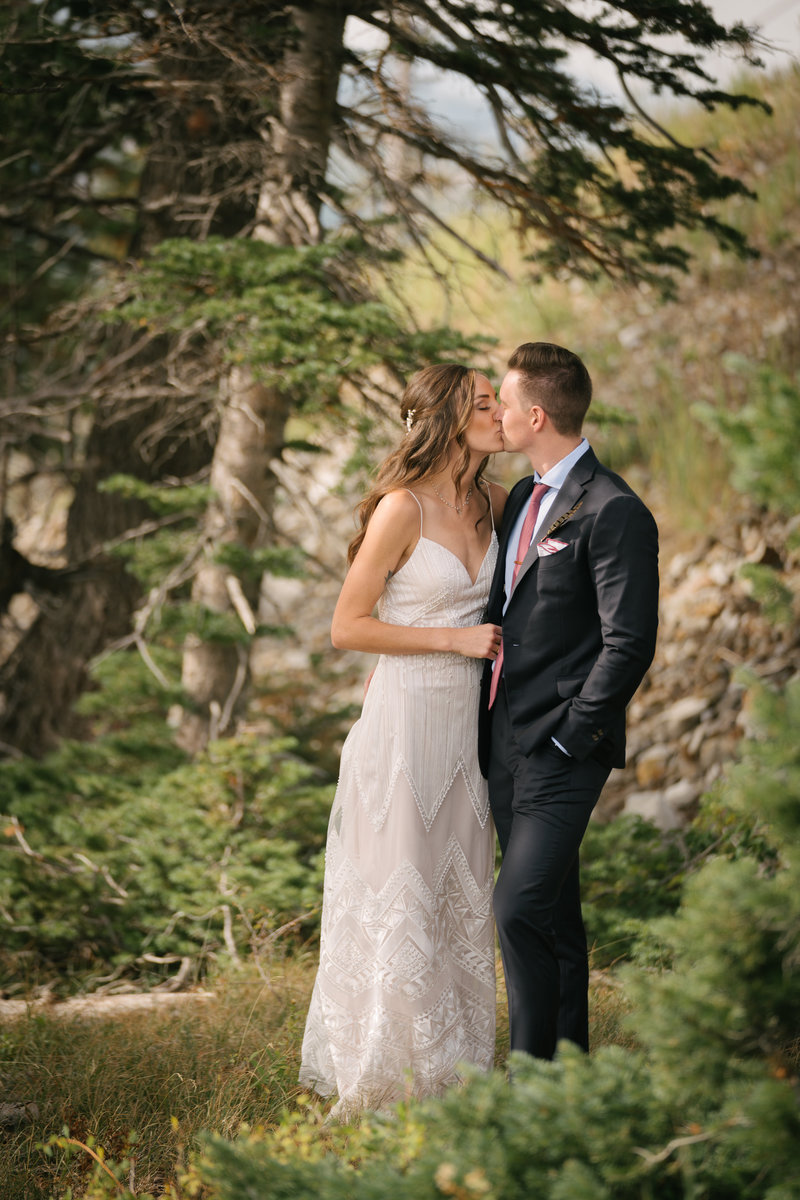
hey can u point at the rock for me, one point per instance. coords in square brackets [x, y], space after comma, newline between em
[652, 764]
[720, 574]
[726, 624]
[680, 563]
[707, 605]
[284, 595]
[714, 772]
[15, 1113]
[294, 660]
[695, 741]
[653, 806]
[682, 795]
[718, 749]
[765, 555]
[683, 715]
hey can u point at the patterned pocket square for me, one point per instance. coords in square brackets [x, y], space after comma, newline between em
[550, 545]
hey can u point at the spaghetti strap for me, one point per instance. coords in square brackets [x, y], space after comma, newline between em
[489, 498]
[419, 506]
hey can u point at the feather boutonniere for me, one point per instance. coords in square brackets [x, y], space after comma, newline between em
[562, 520]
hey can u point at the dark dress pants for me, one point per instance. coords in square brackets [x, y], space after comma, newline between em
[541, 804]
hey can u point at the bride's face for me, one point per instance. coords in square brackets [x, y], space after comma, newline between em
[484, 434]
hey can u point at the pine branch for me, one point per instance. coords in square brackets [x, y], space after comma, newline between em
[55, 239]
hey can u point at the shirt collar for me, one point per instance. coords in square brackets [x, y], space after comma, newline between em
[555, 477]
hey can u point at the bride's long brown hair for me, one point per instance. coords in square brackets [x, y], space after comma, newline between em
[442, 399]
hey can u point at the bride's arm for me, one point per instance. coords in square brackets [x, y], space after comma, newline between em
[390, 537]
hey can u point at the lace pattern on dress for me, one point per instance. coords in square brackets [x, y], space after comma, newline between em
[405, 991]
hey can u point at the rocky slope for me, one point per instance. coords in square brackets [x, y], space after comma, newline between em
[686, 720]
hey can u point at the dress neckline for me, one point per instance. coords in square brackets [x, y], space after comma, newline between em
[452, 553]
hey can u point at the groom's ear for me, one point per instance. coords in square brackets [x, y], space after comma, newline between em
[537, 416]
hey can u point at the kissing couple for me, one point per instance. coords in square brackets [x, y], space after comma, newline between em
[512, 630]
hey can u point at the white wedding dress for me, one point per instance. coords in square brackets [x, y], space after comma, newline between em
[405, 990]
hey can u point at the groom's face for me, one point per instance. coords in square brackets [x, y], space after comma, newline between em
[517, 430]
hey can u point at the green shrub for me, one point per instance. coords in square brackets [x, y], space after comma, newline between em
[210, 857]
[704, 1108]
[763, 436]
[631, 872]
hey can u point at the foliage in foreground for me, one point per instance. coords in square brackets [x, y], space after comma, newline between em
[706, 1106]
[703, 1106]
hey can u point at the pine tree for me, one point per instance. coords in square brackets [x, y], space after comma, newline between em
[245, 120]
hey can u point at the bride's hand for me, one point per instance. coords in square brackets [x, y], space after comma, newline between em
[478, 641]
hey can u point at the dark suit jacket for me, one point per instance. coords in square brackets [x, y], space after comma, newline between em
[580, 629]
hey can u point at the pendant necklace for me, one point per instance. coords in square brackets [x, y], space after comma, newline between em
[456, 507]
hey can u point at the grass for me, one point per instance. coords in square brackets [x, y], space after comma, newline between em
[215, 1063]
[212, 1063]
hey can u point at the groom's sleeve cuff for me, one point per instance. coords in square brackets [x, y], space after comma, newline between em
[556, 742]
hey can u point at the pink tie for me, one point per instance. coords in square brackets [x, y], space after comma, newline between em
[525, 538]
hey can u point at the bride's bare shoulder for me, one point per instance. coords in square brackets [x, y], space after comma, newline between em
[399, 504]
[397, 516]
[399, 497]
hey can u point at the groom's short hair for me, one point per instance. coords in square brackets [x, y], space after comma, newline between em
[555, 379]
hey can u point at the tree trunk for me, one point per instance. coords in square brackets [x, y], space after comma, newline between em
[49, 667]
[92, 604]
[214, 674]
[254, 416]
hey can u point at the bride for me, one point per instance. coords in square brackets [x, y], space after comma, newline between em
[405, 989]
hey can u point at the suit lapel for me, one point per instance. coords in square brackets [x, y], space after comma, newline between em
[514, 507]
[568, 501]
[519, 498]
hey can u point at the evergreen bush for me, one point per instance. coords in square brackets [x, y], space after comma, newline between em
[296, 314]
[763, 436]
[633, 873]
[118, 849]
[706, 1106]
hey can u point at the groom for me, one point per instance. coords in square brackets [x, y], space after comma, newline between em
[576, 593]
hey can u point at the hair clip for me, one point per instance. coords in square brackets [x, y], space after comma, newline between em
[410, 419]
